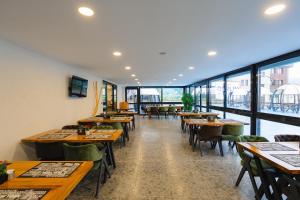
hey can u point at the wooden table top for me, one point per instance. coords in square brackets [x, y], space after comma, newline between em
[203, 122]
[121, 113]
[267, 156]
[217, 122]
[60, 188]
[74, 137]
[109, 120]
[187, 114]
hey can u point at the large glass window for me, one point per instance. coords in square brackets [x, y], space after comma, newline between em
[203, 95]
[238, 91]
[197, 96]
[216, 93]
[240, 118]
[221, 113]
[279, 88]
[268, 129]
[132, 98]
[150, 94]
[172, 94]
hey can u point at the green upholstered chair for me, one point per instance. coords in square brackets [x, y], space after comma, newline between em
[249, 164]
[172, 111]
[103, 127]
[163, 110]
[89, 152]
[231, 132]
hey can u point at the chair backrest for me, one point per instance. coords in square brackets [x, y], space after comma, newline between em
[172, 109]
[163, 109]
[153, 109]
[86, 152]
[124, 105]
[103, 127]
[287, 138]
[71, 127]
[249, 138]
[233, 129]
[210, 131]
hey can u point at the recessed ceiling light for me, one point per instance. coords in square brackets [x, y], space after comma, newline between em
[212, 53]
[191, 67]
[86, 11]
[162, 53]
[174, 79]
[136, 79]
[275, 9]
[181, 75]
[138, 82]
[117, 53]
[127, 67]
[133, 75]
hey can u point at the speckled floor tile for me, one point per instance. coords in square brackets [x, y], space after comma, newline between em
[158, 163]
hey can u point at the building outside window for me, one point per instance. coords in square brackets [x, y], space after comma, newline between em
[216, 95]
[172, 94]
[279, 88]
[203, 95]
[239, 91]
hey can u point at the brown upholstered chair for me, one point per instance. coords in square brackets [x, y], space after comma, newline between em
[212, 134]
[287, 138]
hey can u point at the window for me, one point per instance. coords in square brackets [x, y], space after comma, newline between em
[279, 88]
[268, 129]
[221, 113]
[238, 91]
[150, 94]
[172, 94]
[204, 95]
[216, 95]
[242, 119]
[197, 98]
[132, 95]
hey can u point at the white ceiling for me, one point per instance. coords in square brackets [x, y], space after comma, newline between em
[140, 29]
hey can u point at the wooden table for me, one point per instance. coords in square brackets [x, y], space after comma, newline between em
[288, 170]
[186, 115]
[60, 188]
[128, 113]
[75, 138]
[123, 120]
[267, 156]
[194, 123]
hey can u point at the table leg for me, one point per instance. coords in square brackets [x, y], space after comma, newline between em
[133, 122]
[110, 152]
[263, 178]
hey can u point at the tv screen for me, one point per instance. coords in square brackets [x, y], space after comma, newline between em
[78, 86]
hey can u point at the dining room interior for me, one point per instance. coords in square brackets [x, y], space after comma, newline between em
[150, 100]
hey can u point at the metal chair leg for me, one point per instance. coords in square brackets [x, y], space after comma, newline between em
[98, 186]
[241, 175]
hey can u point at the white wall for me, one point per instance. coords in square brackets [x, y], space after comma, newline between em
[34, 98]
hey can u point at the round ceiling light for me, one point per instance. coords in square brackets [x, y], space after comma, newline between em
[86, 11]
[191, 67]
[212, 53]
[127, 68]
[117, 53]
[275, 9]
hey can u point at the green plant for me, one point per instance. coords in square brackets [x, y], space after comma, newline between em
[187, 100]
[2, 168]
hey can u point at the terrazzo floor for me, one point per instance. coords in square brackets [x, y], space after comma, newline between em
[158, 163]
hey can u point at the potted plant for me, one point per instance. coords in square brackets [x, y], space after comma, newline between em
[187, 100]
[3, 174]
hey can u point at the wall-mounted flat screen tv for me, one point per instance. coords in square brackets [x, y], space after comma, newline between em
[78, 87]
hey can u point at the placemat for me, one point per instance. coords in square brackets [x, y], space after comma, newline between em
[55, 136]
[23, 194]
[97, 136]
[270, 146]
[292, 159]
[52, 170]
